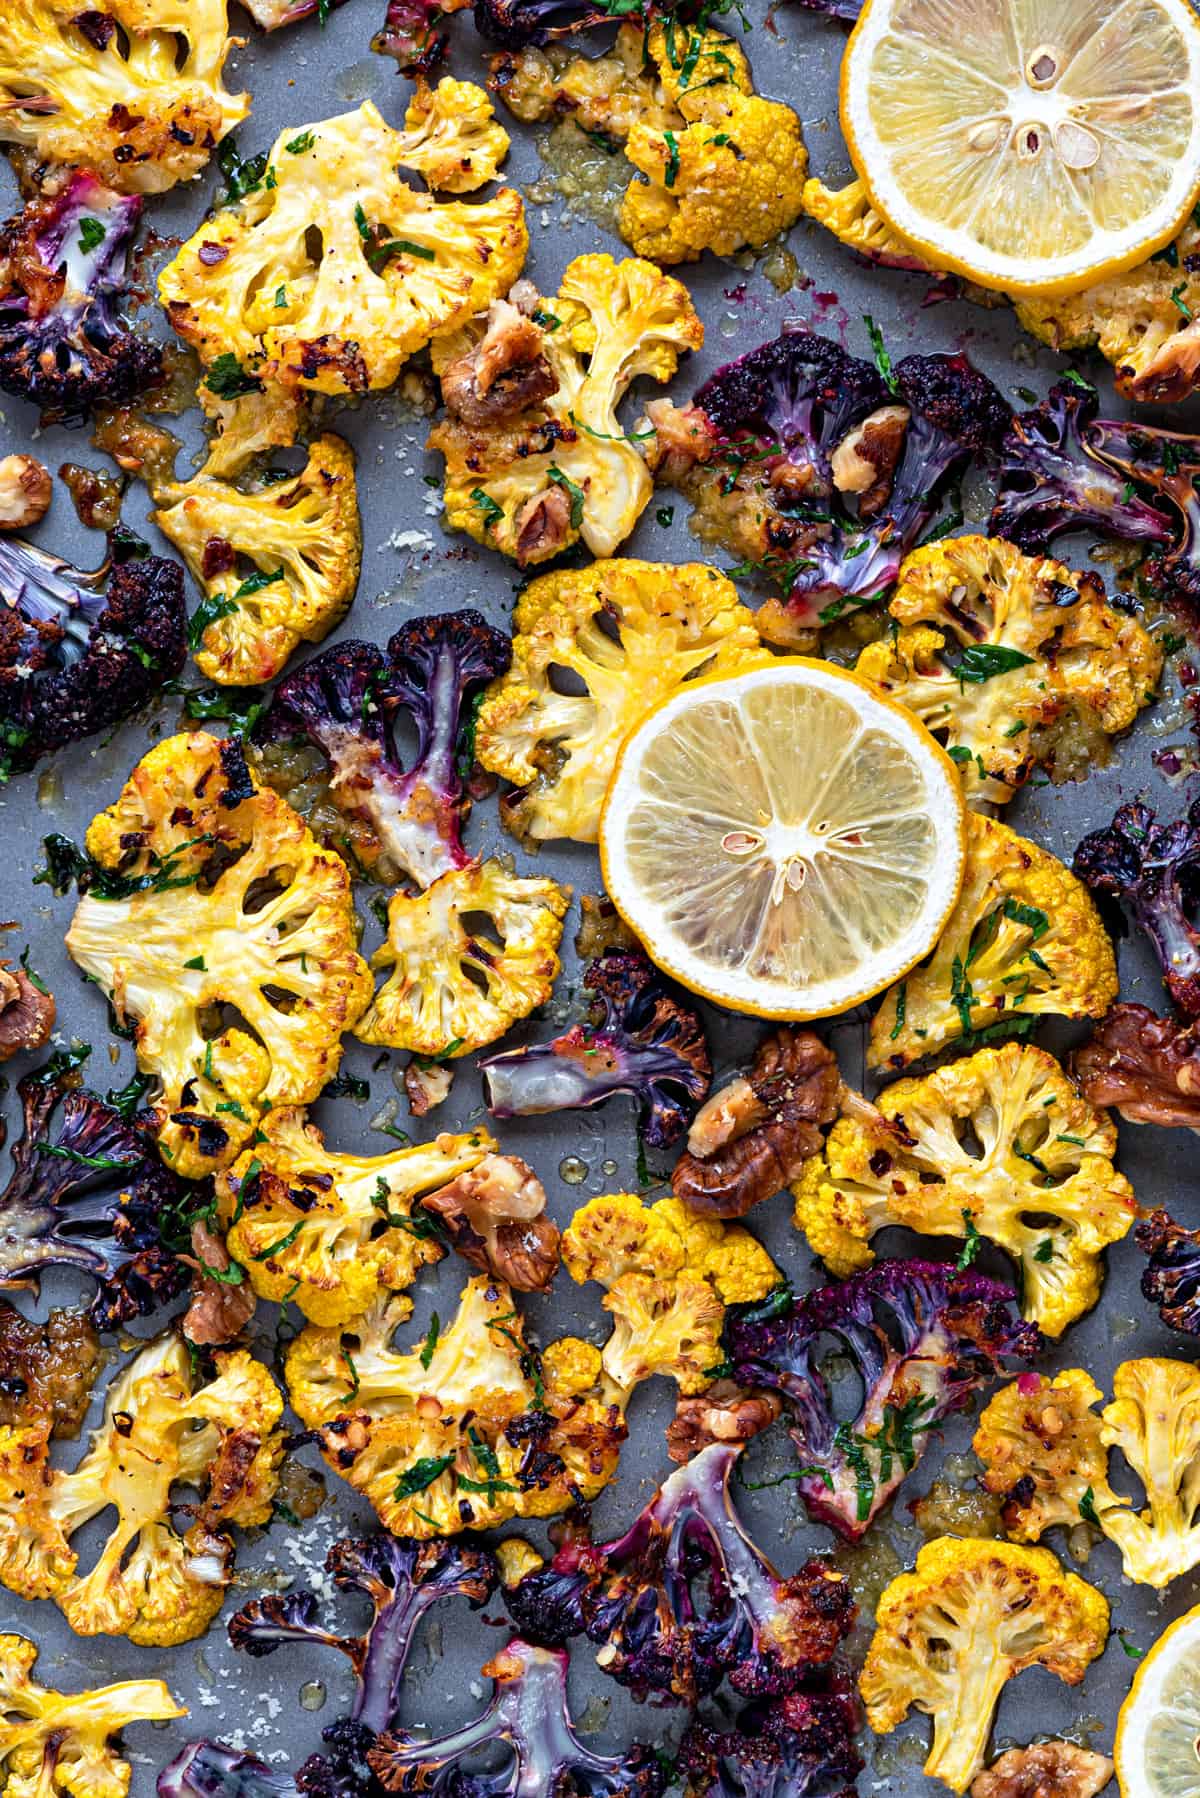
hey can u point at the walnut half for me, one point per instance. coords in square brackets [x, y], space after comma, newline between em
[1047, 1770]
[724, 1413]
[27, 1012]
[494, 1216]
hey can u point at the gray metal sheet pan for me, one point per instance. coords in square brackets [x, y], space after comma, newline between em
[412, 565]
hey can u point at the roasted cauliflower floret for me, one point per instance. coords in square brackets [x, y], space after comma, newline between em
[668, 1276]
[277, 565]
[1024, 941]
[561, 748]
[1001, 1144]
[257, 297]
[461, 1433]
[1047, 1452]
[563, 467]
[951, 1634]
[847, 212]
[451, 138]
[452, 986]
[161, 1428]
[1146, 322]
[133, 91]
[329, 1232]
[230, 901]
[1024, 657]
[59, 1742]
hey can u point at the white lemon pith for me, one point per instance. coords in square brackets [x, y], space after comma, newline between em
[784, 841]
[1032, 145]
[1158, 1729]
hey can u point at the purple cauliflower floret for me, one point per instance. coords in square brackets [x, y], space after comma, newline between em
[403, 1579]
[1172, 1280]
[213, 1770]
[923, 1340]
[530, 1718]
[641, 1038]
[1052, 482]
[515, 24]
[799, 1746]
[684, 1599]
[345, 700]
[410, 32]
[88, 1190]
[81, 650]
[1154, 870]
[63, 270]
[273, 15]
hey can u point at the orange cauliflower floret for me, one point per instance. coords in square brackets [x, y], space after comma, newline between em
[161, 1428]
[668, 1277]
[848, 213]
[1038, 1179]
[1024, 657]
[1024, 941]
[231, 902]
[145, 108]
[671, 624]
[328, 1231]
[451, 138]
[425, 1435]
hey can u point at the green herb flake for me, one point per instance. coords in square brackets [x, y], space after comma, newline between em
[422, 1474]
[577, 495]
[431, 1341]
[971, 1246]
[91, 235]
[883, 361]
[671, 172]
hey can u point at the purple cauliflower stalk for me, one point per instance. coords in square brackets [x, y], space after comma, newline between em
[213, 1770]
[345, 701]
[642, 1038]
[1172, 1279]
[799, 1746]
[1167, 465]
[922, 1338]
[403, 1579]
[273, 15]
[63, 270]
[87, 1190]
[684, 1599]
[1154, 870]
[1052, 481]
[411, 34]
[529, 1717]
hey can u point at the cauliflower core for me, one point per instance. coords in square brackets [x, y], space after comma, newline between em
[464, 1432]
[329, 1232]
[1024, 941]
[1047, 1452]
[453, 986]
[666, 625]
[1032, 645]
[332, 271]
[668, 1277]
[161, 1428]
[951, 1634]
[133, 92]
[560, 466]
[231, 902]
[1001, 1145]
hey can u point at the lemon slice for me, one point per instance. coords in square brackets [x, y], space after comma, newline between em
[1158, 1729]
[784, 841]
[1034, 146]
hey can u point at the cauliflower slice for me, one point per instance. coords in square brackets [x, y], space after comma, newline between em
[951, 1634]
[847, 212]
[55, 1743]
[451, 138]
[564, 467]
[231, 901]
[303, 541]
[1024, 941]
[160, 1429]
[133, 92]
[461, 1433]
[329, 1232]
[1146, 322]
[257, 298]
[453, 987]
[1000, 1144]
[1048, 1452]
[667, 625]
[668, 1275]
[1025, 657]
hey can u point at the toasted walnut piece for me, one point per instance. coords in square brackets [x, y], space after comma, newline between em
[505, 372]
[683, 437]
[1047, 1770]
[219, 1310]
[427, 1086]
[26, 1013]
[725, 1413]
[865, 461]
[759, 1133]
[542, 526]
[47, 1371]
[1144, 1066]
[494, 1215]
[25, 492]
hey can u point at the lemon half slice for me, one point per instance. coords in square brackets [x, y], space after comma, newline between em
[1156, 1753]
[1034, 146]
[784, 841]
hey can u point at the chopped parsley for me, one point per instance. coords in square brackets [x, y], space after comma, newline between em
[431, 1341]
[91, 235]
[671, 172]
[228, 379]
[972, 1245]
[981, 662]
[883, 361]
[577, 495]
